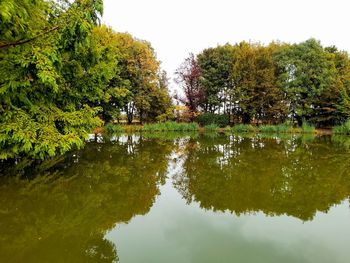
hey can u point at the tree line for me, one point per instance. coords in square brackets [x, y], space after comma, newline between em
[274, 83]
[62, 74]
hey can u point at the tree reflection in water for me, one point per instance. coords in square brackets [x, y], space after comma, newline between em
[61, 210]
[62, 215]
[296, 176]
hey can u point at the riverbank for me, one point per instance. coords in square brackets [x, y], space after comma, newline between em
[239, 128]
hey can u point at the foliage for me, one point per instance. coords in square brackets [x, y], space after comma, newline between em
[43, 112]
[314, 79]
[221, 120]
[140, 75]
[211, 127]
[187, 76]
[253, 83]
[113, 128]
[170, 126]
[132, 128]
[281, 128]
[342, 129]
[308, 128]
[243, 128]
[273, 129]
[215, 66]
[62, 74]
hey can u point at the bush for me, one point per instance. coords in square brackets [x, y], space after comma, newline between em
[113, 128]
[342, 129]
[221, 120]
[243, 128]
[132, 128]
[170, 126]
[281, 128]
[268, 128]
[211, 127]
[308, 128]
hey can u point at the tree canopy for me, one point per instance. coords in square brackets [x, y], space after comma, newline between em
[271, 83]
[62, 74]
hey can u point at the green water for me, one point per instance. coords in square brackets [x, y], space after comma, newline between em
[182, 198]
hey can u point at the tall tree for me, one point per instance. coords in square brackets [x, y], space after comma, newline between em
[188, 77]
[306, 72]
[138, 74]
[216, 70]
[258, 97]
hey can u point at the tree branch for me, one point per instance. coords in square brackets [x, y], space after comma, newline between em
[23, 41]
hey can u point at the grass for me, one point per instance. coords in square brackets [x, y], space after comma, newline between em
[280, 128]
[171, 135]
[113, 128]
[152, 127]
[211, 127]
[239, 128]
[132, 128]
[170, 126]
[243, 128]
[342, 129]
[308, 128]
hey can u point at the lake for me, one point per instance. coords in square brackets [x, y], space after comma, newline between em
[182, 198]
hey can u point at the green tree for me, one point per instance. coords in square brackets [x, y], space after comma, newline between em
[139, 82]
[335, 103]
[258, 94]
[216, 77]
[41, 111]
[306, 73]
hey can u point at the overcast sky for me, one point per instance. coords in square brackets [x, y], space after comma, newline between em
[177, 27]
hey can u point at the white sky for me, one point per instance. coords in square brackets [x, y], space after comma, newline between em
[177, 27]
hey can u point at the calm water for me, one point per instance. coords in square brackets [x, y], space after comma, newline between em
[182, 199]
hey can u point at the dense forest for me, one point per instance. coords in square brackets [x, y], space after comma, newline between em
[280, 82]
[63, 73]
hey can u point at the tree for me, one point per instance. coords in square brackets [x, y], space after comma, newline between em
[162, 107]
[258, 94]
[41, 110]
[216, 77]
[306, 73]
[139, 75]
[188, 77]
[110, 90]
[335, 103]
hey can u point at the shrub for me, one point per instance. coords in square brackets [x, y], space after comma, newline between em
[243, 128]
[342, 129]
[281, 128]
[113, 128]
[308, 128]
[268, 128]
[132, 128]
[211, 127]
[221, 120]
[170, 126]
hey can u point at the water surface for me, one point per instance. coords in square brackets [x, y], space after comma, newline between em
[182, 198]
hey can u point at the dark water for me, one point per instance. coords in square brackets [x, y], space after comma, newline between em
[182, 199]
